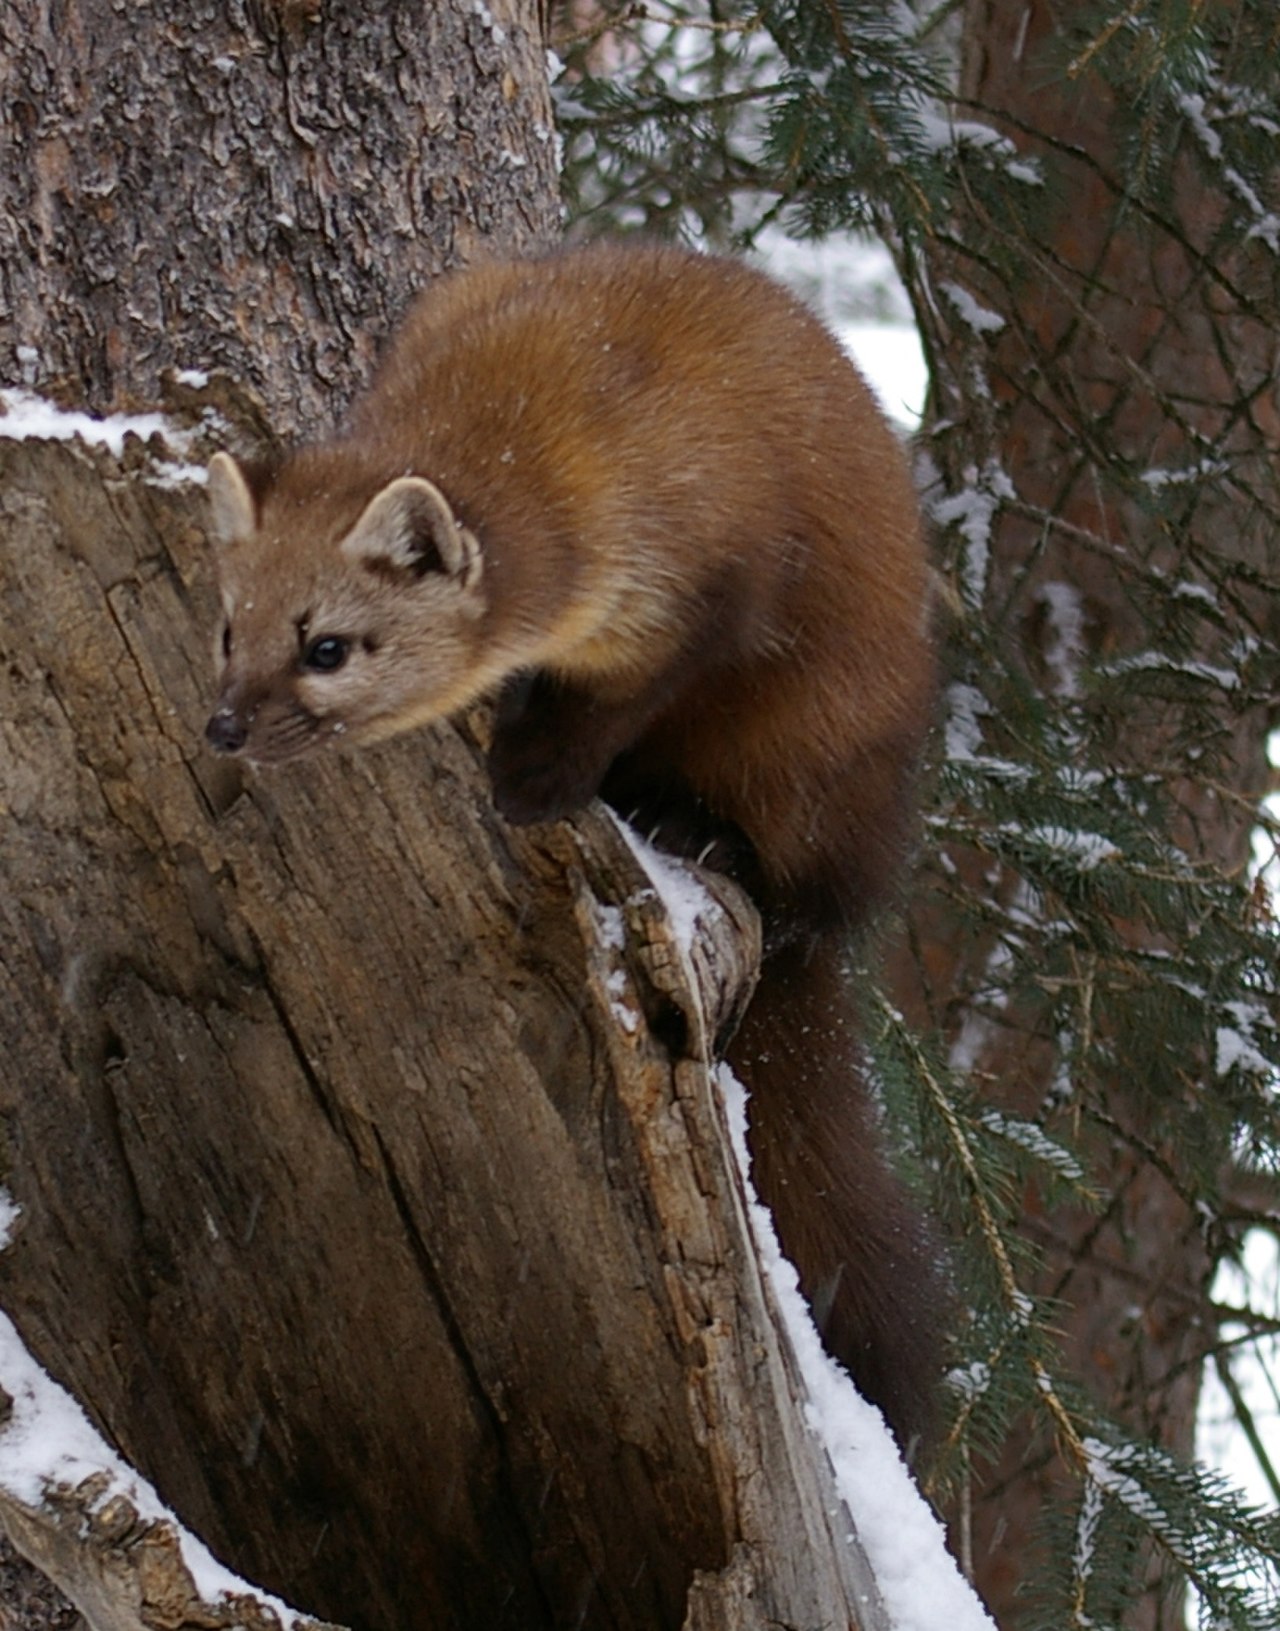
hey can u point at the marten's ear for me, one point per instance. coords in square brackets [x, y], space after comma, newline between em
[235, 514]
[410, 526]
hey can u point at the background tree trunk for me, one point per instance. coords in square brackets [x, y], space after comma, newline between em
[1128, 346]
[374, 1199]
[253, 185]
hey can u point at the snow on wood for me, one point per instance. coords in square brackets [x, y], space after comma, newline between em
[922, 1587]
[97, 1529]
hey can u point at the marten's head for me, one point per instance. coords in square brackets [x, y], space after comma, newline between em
[351, 609]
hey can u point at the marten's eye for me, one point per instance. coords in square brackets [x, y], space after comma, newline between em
[326, 653]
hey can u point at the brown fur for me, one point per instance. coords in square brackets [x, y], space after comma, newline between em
[677, 529]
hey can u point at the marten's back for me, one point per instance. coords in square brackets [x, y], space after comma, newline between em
[681, 422]
[630, 383]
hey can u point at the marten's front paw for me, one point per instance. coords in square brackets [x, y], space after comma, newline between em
[532, 783]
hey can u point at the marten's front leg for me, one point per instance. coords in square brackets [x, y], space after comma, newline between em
[553, 744]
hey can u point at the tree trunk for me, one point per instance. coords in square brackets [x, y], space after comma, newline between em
[253, 185]
[374, 1198]
[1121, 350]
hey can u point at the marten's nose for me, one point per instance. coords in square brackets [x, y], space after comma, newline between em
[225, 732]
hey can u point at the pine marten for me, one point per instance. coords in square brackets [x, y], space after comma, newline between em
[641, 495]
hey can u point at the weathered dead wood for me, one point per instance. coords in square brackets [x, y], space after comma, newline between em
[125, 1574]
[354, 1207]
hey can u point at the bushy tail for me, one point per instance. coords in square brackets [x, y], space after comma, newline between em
[866, 1260]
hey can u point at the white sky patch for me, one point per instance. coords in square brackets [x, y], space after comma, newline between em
[980, 1025]
[891, 360]
[851, 281]
[49, 1440]
[918, 1579]
[1251, 1283]
[977, 1029]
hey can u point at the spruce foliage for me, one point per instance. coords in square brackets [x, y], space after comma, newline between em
[1092, 1038]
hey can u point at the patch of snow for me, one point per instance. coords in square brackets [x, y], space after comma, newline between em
[1236, 1045]
[1196, 591]
[1152, 661]
[612, 929]
[966, 708]
[1065, 618]
[1193, 105]
[972, 511]
[1106, 1468]
[1027, 171]
[970, 1381]
[941, 133]
[1266, 224]
[1161, 476]
[919, 1581]
[24, 415]
[617, 986]
[480, 10]
[973, 315]
[10, 1212]
[683, 897]
[1035, 1141]
[49, 1441]
[1087, 849]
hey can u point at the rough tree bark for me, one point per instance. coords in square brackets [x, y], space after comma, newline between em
[254, 185]
[374, 1199]
[1119, 345]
